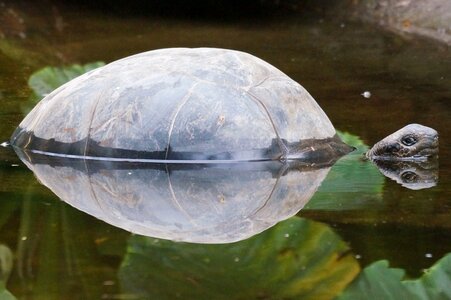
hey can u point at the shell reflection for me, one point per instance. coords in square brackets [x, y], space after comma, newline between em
[214, 203]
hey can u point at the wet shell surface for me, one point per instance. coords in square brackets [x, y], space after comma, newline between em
[176, 104]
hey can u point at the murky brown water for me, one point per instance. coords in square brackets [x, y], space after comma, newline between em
[60, 252]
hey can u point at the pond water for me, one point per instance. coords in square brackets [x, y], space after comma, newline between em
[51, 250]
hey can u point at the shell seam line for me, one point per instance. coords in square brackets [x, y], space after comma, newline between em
[255, 98]
[44, 102]
[91, 188]
[264, 80]
[174, 197]
[90, 123]
[268, 198]
[171, 127]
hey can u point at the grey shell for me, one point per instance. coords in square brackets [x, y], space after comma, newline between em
[176, 103]
[215, 204]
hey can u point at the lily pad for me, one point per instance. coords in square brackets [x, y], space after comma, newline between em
[378, 281]
[296, 259]
[353, 183]
[354, 141]
[47, 79]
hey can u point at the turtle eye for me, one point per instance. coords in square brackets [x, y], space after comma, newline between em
[409, 176]
[409, 140]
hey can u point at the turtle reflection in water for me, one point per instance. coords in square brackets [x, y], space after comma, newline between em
[201, 203]
[413, 174]
[192, 106]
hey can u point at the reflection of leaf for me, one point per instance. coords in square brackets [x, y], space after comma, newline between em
[6, 264]
[46, 80]
[15, 52]
[297, 258]
[352, 183]
[62, 244]
[378, 281]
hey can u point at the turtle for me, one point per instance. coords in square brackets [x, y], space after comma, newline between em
[192, 105]
[199, 203]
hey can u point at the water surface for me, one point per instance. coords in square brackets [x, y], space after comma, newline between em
[61, 252]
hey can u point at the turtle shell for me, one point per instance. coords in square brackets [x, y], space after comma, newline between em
[175, 104]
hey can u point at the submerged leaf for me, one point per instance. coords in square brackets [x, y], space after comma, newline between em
[5, 294]
[378, 281]
[6, 264]
[352, 183]
[296, 259]
[46, 80]
[67, 260]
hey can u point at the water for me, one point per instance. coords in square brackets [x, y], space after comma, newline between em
[61, 252]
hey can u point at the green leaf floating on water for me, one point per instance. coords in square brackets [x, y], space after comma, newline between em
[353, 183]
[296, 259]
[46, 80]
[354, 141]
[378, 281]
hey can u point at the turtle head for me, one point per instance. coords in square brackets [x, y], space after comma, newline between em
[411, 142]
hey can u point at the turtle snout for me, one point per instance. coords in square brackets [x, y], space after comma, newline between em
[392, 148]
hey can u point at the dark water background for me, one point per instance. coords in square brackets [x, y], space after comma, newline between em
[334, 59]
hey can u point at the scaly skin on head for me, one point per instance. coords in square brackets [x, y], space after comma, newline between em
[412, 142]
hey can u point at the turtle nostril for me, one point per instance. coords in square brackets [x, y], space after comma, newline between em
[392, 148]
